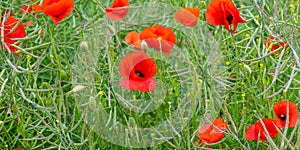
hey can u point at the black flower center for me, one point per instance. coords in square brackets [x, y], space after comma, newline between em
[282, 117]
[138, 73]
[229, 18]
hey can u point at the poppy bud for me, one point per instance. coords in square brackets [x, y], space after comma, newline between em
[84, 46]
[144, 46]
[248, 68]
[41, 33]
[92, 103]
[78, 88]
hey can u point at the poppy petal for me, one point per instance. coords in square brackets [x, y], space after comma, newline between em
[148, 85]
[159, 38]
[7, 45]
[220, 124]
[137, 60]
[273, 44]
[217, 136]
[138, 69]
[204, 133]
[270, 126]
[251, 133]
[9, 37]
[24, 8]
[212, 133]
[281, 115]
[223, 12]
[236, 18]
[213, 15]
[133, 38]
[58, 10]
[257, 130]
[115, 12]
[19, 32]
[37, 8]
[187, 16]
[143, 70]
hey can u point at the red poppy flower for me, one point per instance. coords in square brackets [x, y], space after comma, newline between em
[117, 11]
[257, 130]
[138, 69]
[29, 10]
[159, 38]
[223, 12]
[273, 44]
[18, 148]
[133, 38]
[9, 35]
[24, 8]
[57, 10]
[281, 109]
[187, 16]
[212, 133]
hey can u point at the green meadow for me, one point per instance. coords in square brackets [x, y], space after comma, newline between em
[62, 90]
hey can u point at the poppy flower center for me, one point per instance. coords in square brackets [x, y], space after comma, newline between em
[229, 18]
[138, 73]
[282, 117]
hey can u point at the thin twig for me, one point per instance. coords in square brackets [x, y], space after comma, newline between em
[31, 102]
[275, 74]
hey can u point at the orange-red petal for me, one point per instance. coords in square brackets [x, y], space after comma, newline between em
[10, 36]
[137, 70]
[57, 10]
[281, 114]
[212, 133]
[159, 38]
[187, 16]
[37, 8]
[144, 86]
[273, 44]
[214, 13]
[223, 12]
[133, 38]
[24, 8]
[251, 133]
[257, 131]
[117, 11]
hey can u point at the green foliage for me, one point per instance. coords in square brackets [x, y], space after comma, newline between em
[39, 111]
